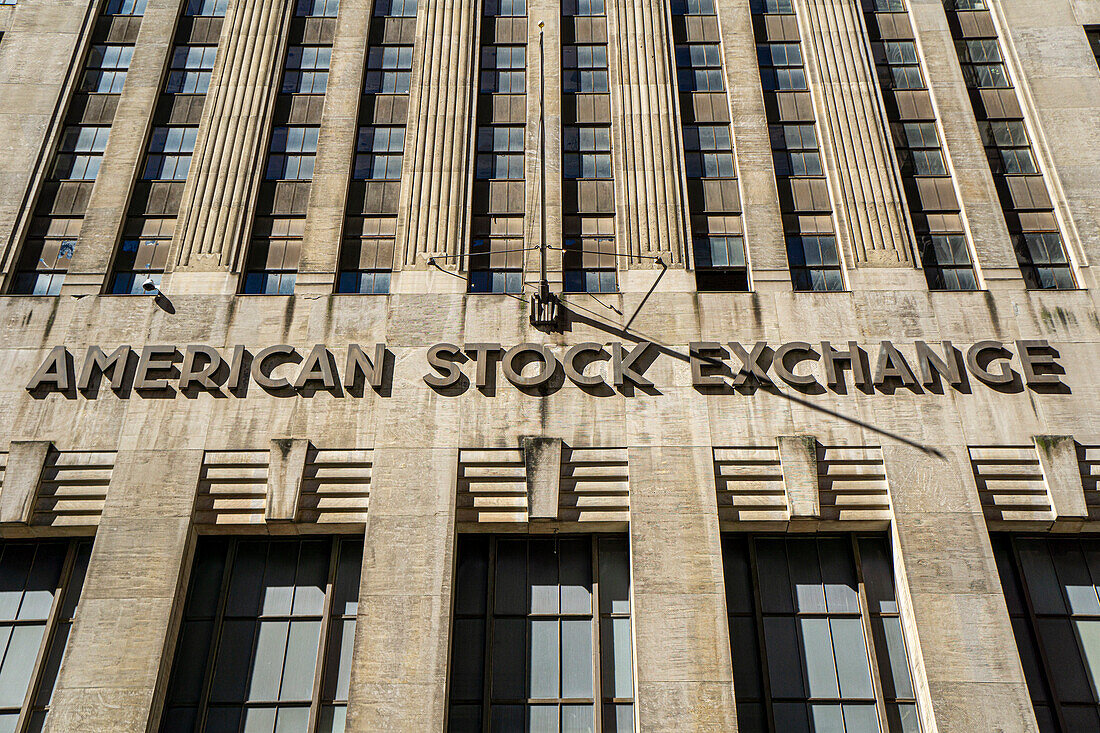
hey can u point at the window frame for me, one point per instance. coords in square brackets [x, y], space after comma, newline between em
[72, 564]
[864, 612]
[600, 701]
[328, 617]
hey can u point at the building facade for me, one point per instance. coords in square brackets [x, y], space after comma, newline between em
[572, 365]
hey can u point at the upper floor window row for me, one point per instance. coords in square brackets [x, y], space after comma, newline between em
[317, 8]
[206, 8]
[117, 7]
[395, 8]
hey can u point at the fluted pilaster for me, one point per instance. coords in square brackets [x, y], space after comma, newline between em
[648, 173]
[434, 197]
[863, 172]
[226, 166]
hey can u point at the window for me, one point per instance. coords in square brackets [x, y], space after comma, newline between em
[306, 69]
[105, 70]
[1025, 197]
[713, 196]
[541, 637]
[272, 264]
[898, 66]
[143, 253]
[807, 656]
[583, 7]
[500, 153]
[795, 149]
[1050, 587]
[317, 8]
[370, 224]
[395, 8]
[210, 8]
[929, 189]
[804, 199]
[946, 260]
[80, 154]
[170, 152]
[700, 68]
[506, 8]
[584, 68]
[191, 69]
[266, 638]
[293, 150]
[587, 152]
[40, 584]
[388, 69]
[814, 263]
[781, 67]
[367, 256]
[503, 70]
[495, 256]
[124, 7]
[379, 153]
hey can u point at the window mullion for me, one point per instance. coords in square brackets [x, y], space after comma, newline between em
[597, 676]
[322, 646]
[487, 664]
[868, 634]
[1032, 620]
[758, 611]
[216, 636]
[48, 636]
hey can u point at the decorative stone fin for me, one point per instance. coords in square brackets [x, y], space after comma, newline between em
[336, 486]
[492, 485]
[22, 474]
[1088, 463]
[46, 487]
[232, 487]
[1010, 484]
[594, 485]
[798, 455]
[285, 471]
[852, 484]
[749, 484]
[1058, 458]
[542, 464]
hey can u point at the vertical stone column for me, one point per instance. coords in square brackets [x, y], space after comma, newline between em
[217, 202]
[434, 195]
[40, 56]
[543, 167]
[1057, 82]
[954, 612]
[335, 150]
[116, 651]
[765, 242]
[855, 136]
[981, 207]
[126, 145]
[684, 668]
[648, 174]
[402, 637]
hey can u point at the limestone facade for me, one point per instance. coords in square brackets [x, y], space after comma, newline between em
[684, 455]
